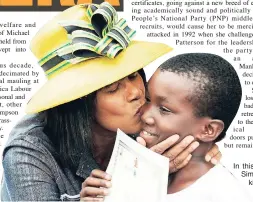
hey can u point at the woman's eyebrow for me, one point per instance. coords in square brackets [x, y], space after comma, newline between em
[108, 86]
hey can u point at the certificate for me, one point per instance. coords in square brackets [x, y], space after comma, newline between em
[138, 174]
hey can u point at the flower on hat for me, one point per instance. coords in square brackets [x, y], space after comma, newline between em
[103, 35]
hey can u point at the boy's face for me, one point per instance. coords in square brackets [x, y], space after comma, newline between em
[168, 111]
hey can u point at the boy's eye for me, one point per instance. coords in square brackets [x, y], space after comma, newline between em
[164, 110]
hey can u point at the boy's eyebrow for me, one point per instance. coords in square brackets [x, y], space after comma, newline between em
[162, 98]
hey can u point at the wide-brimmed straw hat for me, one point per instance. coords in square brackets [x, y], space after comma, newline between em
[83, 49]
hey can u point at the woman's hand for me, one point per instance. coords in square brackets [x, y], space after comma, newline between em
[96, 186]
[180, 153]
[213, 155]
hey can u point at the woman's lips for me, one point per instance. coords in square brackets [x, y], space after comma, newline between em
[138, 112]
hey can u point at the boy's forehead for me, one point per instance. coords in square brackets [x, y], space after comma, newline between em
[166, 84]
[169, 79]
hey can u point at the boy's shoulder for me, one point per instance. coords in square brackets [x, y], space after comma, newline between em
[227, 187]
[219, 171]
[218, 179]
[217, 185]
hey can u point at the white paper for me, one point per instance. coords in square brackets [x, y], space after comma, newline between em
[138, 174]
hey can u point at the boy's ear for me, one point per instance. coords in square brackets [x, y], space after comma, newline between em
[211, 130]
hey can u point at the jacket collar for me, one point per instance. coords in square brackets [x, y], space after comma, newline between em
[86, 164]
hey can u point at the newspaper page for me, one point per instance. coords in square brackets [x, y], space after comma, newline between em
[134, 175]
[222, 27]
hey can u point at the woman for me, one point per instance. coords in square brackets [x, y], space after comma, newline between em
[75, 114]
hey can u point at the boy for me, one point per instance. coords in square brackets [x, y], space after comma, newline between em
[195, 94]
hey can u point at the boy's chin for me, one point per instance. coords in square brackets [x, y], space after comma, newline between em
[150, 140]
[150, 145]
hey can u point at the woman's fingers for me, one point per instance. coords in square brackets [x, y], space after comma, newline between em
[164, 145]
[141, 141]
[96, 186]
[214, 155]
[100, 174]
[175, 168]
[96, 182]
[94, 191]
[179, 154]
[183, 158]
[216, 159]
[90, 199]
[173, 152]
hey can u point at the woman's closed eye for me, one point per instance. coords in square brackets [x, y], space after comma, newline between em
[112, 88]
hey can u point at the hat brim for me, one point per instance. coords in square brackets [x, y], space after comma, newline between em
[83, 78]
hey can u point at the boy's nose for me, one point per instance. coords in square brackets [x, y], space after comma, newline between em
[147, 115]
[149, 121]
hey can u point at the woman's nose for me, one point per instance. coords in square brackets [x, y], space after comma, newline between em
[147, 117]
[133, 92]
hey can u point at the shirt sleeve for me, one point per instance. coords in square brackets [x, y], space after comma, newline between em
[27, 176]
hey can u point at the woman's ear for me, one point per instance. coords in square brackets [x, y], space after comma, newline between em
[211, 130]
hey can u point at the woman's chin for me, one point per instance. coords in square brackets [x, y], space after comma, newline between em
[133, 130]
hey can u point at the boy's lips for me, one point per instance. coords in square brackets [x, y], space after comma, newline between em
[149, 137]
[149, 134]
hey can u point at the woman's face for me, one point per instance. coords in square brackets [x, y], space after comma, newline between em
[118, 105]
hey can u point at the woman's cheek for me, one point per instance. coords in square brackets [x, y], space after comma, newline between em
[142, 88]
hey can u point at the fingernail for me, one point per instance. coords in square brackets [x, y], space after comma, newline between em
[208, 158]
[106, 191]
[108, 184]
[195, 145]
[175, 137]
[214, 161]
[189, 157]
[189, 139]
[108, 177]
[100, 199]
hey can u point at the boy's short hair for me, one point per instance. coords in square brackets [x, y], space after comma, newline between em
[217, 92]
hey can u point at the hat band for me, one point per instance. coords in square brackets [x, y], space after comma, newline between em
[103, 36]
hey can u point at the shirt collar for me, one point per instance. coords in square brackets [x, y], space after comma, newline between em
[86, 164]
